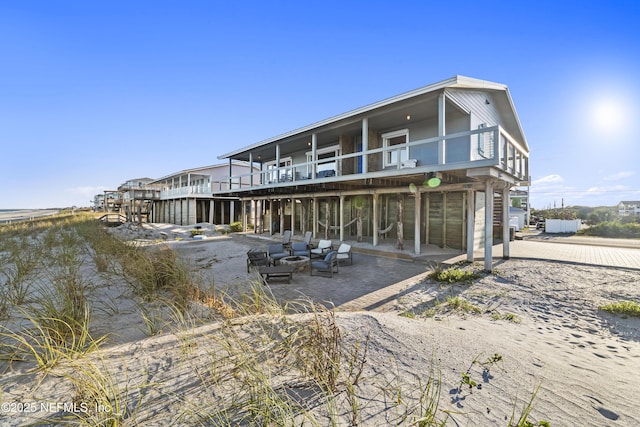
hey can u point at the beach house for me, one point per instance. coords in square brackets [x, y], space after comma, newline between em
[629, 208]
[202, 194]
[433, 166]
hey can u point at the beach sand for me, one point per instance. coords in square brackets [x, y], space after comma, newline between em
[538, 328]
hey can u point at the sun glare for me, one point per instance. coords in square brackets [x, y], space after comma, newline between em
[610, 116]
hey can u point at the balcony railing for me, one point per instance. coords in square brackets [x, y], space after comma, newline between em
[486, 147]
[191, 190]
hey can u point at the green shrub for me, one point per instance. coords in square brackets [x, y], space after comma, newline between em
[613, 229]
[196, 232]
[236, 226]
[627, 308]
[453, 275]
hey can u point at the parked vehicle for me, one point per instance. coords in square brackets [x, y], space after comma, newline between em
[540, 225]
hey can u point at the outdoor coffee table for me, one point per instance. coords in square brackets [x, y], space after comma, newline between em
[276, 271]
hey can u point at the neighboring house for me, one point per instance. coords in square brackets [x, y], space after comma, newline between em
[136, 198]
[629, 208]
[520, 199]
[98, 202]
[186, 197]
[108, 201]
[435, 165]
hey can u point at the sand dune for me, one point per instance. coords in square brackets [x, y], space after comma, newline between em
[538, 325]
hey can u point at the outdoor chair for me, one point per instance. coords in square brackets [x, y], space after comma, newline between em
[286, 238]
[344, 253]
[300, 249]
[257, 258]
[276, 252]
[326, 266]
[321, 250]
[307, 239]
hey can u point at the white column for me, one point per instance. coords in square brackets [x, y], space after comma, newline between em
[365, 145]
[254, 206]
[471, 222]
[441, 128]
[271, 217]
[417, 222]
[243, 206]
[315, 217]
[488, 227]
[314, 158]
[277, 162]
[506, 241]
[375, 219]
[282, 210]
[341, 215]
[250, 169]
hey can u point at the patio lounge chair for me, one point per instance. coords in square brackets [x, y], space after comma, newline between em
[327, 265]
[300, 249]
[257, 258]
[307, 239]
[344, 253]
[276, 252]
[321, 250]
[286, 238]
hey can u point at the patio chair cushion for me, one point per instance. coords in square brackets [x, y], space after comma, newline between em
[344, 253]
[327, 265]
[276, 251]
[257, 258]
[299, 249]
[323, 247]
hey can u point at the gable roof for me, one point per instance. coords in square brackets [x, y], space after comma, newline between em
[453, 82]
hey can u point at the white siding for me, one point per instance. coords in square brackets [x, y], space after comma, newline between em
[475, 102]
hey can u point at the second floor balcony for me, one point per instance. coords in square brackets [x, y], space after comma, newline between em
[470, 153]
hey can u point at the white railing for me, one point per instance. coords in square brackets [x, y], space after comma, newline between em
[192, 190]
[471, 149]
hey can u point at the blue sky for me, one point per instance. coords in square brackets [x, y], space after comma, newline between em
[95, 93]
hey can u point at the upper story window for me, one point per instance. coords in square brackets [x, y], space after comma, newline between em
[286, 173]
[398, 137]
[327, 163]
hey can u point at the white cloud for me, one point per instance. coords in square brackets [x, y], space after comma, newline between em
[549, 179]
[608, 189]
[618, 176]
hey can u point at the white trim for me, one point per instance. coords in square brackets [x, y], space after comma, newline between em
[325, 150]
[387, 161]
[331, 149]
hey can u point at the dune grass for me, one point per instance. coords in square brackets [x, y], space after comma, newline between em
[624, 308]
[266, 362]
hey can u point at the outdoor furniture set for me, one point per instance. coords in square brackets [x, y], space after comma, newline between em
[281, 260]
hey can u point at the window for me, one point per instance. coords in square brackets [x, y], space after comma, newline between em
[271, 174]
[390, 139]
[327, 163]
